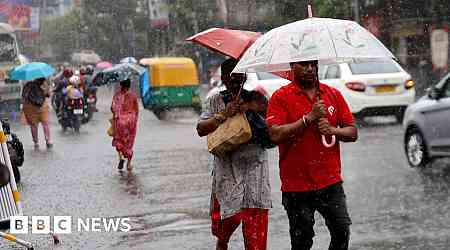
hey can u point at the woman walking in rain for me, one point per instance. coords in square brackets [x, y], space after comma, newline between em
[125, 111]
[36, 109]
[241, 188]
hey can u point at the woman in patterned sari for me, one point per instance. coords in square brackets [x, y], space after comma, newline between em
[125, 111]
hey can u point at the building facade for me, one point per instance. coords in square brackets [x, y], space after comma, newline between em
[415, 31]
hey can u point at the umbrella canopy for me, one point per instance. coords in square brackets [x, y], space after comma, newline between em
[228, 42]
[31, 71]
[117, 73]
[104, 65]
[310, 39]
[129, 59]
[86, 57]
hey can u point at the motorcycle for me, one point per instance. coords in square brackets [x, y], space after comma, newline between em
[15, 149]
[72, 114]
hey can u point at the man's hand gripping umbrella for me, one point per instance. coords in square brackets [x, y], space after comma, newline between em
[325, 127]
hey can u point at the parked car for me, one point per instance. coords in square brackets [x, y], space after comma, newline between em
[267, 83]
[371, 87]
[426, 125]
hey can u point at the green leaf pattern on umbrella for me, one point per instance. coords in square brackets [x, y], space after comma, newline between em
[120, 72]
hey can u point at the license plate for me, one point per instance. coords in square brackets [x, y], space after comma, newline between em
[91, 100]
[78, 111]
[385, 89]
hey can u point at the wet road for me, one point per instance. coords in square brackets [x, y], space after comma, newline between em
[167, 195]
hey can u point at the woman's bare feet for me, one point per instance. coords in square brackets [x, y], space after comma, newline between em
[129, 166]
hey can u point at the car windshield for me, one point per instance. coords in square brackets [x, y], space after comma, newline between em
[373, 67]
[266, 76]
[7, 48]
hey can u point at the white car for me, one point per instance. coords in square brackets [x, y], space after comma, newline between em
[265, 82]
[371, 87]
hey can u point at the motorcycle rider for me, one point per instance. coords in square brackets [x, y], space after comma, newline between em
[74, 90]
[90, 88]
[72, 94]
[60, 85]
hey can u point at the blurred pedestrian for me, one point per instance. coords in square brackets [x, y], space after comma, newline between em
[125, 111]
[240, 188]
[299, 116]
[36, 109]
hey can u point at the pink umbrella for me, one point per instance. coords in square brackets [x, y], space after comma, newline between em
[104, 65]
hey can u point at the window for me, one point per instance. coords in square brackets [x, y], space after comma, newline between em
[373, 67]
[446, 90]
[333, 72]
[8, 52]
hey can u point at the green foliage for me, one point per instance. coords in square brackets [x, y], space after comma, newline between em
[62, 33]
[113, 29]
[333, 8]
[108, 27]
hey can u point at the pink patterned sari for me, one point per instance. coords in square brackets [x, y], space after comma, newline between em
[126, 110]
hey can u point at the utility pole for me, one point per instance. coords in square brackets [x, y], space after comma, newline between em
[42, 10]
[356, 8]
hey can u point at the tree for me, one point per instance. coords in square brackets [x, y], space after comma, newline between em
[109, 27]
[62, 33]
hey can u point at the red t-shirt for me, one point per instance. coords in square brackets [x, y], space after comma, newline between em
[305, 163]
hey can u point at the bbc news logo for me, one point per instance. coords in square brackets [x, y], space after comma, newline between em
[67, 224]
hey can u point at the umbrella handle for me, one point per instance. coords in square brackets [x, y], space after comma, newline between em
[326, 144]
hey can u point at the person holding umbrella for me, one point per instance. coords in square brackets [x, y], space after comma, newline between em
[298, 115]
[308, 119]
[34, 97]
[241, 188]
[36, 109]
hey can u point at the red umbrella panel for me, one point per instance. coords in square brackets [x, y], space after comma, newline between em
[232, 43]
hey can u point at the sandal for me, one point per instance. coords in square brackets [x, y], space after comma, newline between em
[120, 166]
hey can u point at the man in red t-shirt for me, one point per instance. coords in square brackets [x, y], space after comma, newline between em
[303, 117]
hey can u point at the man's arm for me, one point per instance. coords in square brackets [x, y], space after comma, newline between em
[281, 133]
[345, 134]
[347, 131]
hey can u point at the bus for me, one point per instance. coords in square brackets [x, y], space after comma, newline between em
[10, 91]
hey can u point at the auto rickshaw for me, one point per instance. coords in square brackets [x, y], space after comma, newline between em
[173, 83]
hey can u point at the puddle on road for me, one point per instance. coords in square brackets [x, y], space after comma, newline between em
[169, 222]
[130, 183]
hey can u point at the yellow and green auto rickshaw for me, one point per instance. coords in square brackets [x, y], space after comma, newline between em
[173, 83]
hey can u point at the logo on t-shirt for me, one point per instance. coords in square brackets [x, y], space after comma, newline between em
[331, 110]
